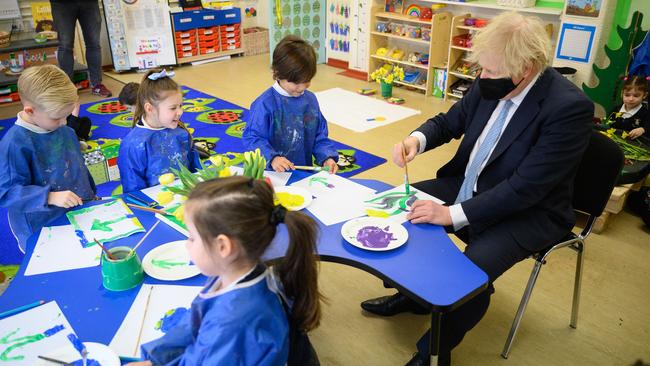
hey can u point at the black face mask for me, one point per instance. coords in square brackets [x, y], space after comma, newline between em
[493, 89]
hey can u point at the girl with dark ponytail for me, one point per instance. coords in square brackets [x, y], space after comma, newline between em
[239, 318]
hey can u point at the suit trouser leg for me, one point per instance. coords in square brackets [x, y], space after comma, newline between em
[494, 250]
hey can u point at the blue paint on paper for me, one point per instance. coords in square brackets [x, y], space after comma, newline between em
[76, 342]
[82, 238]
[54, 330]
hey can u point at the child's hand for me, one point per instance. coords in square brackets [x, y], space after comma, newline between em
[140, 363]
[636, 133]
[331, 165]
[281, 164]
[65, 199]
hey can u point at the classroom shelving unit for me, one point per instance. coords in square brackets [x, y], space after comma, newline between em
[456, 55]
[436, 47]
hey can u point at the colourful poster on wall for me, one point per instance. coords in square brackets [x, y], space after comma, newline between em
[305, 19]
[583, 8]
[42, 15]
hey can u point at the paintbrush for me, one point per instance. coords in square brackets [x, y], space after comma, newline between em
[137, 200]
[149, 209]
[144, 316]
[143, 238]
[306, 167]
[54, 360]
[406, 171]
[108, 254]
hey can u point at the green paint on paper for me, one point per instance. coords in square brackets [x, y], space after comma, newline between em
[17, 343]
[105, 225]
[166, 263]
[320, 180]
[392, 203]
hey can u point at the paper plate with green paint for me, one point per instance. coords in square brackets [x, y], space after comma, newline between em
[170, 262]
[101, 354]
[374, 233]
[292, 198]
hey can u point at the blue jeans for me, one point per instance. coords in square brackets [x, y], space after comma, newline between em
[65, 16]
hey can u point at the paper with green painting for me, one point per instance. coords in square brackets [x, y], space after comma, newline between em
[105, 222]
[395, 203]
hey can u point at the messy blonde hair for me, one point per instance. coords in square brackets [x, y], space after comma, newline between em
[48, 88]
[521, 40]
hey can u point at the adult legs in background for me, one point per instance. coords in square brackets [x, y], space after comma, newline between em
[65, 18]
[91, 27]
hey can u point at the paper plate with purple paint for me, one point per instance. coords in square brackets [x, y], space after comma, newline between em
[98, 354]
[374, 233]
[170, 262]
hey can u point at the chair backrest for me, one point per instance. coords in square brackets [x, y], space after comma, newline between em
[597, 174]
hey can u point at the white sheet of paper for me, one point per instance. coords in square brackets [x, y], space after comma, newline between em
[47, 320]
[58, 249]
[277, 179]
[105, 222]
[390, 207]
[352, 110]
[575, 43]
[337, 199]
[163, 298]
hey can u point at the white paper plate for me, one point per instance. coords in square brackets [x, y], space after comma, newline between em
[96, 351]
[170, 262]
[374, 233]
[297, 191]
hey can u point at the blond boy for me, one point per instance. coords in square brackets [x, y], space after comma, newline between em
[43, 173]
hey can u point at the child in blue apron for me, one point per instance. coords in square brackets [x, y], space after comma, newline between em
[42, 173]
[286, 123]
[244, 314]
[155, 144]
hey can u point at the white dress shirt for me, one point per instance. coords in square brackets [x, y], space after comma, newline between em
[458, 217]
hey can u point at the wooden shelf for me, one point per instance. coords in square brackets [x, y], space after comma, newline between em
[402, 17]
[421, 87]
[468, 27]
[408, 39]
[387, 59]
[454, 95]
[461, 48]
[492, 4]
[460, 75]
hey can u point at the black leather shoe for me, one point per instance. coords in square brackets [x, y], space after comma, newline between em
[419, 360]
[391, 305]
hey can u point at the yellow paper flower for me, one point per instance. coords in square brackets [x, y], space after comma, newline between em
[179, 213]
[165, 197]
[166, 179]
[217, 160]
[225, 172]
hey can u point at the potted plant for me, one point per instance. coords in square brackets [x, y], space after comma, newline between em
[385, 76]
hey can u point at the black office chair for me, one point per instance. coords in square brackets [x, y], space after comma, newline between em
[596, 177]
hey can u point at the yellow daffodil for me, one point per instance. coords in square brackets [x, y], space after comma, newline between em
[225, 172]
[624, 134]
[217, 160]
[166, 179]
[165, 197]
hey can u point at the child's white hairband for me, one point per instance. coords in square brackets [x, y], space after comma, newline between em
[163, 74]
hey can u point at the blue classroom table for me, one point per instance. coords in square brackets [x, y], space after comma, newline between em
[429, 268]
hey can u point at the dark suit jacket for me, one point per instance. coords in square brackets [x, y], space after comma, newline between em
[527, 183]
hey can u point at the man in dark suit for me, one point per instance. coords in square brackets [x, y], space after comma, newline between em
[508, 189]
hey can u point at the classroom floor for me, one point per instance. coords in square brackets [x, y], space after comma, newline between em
[615, 303]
